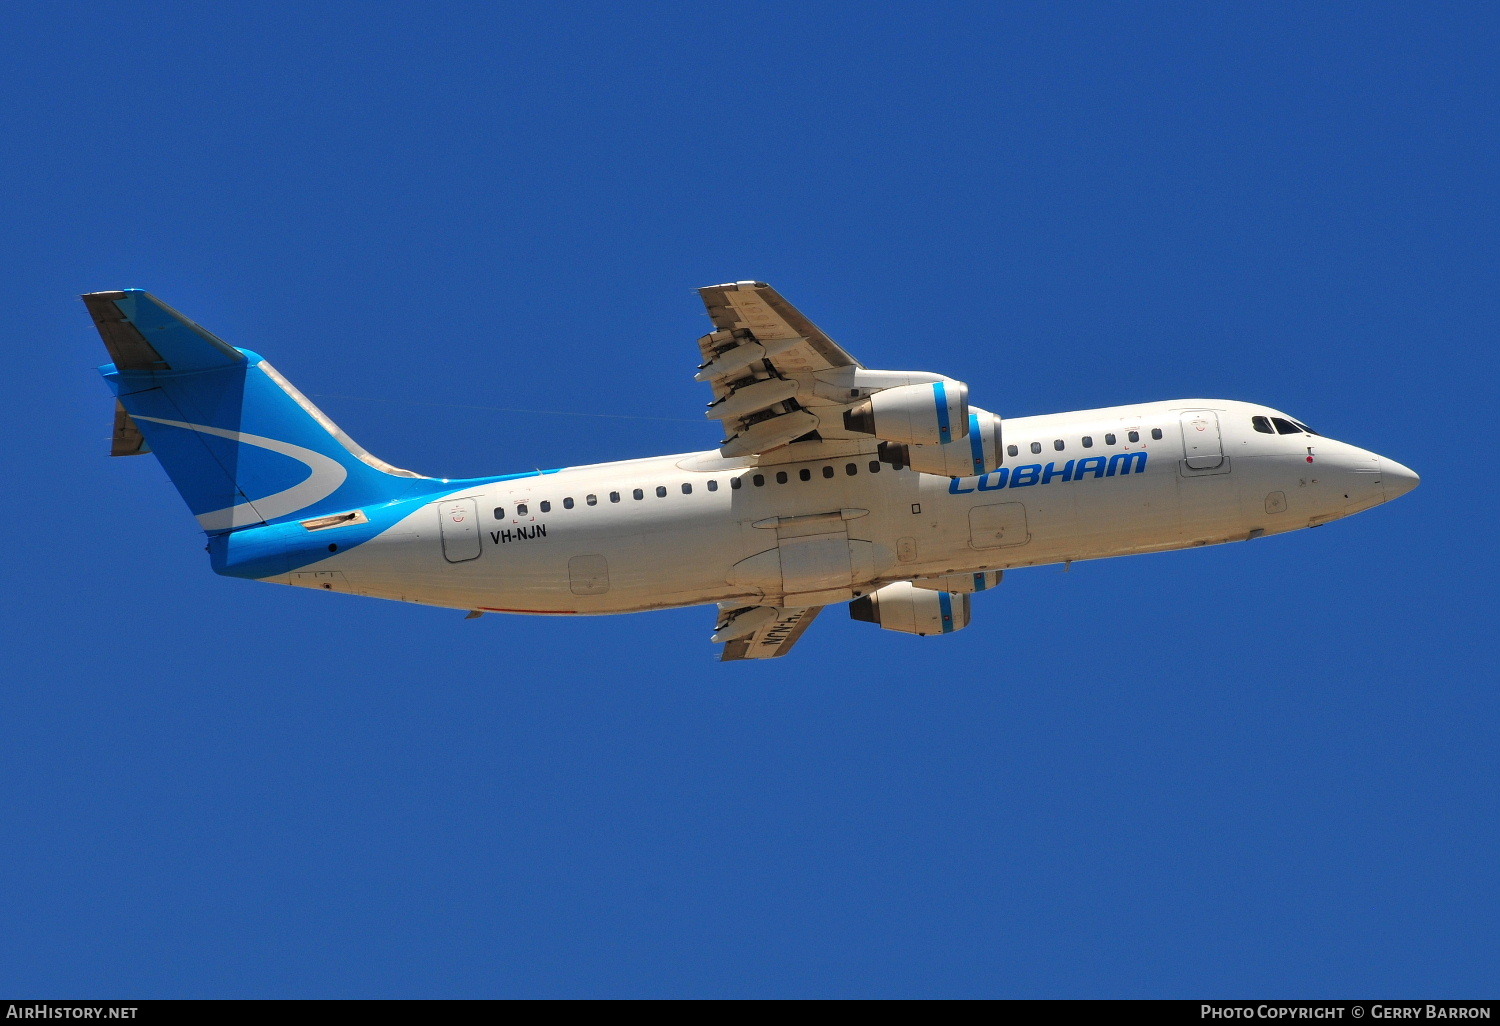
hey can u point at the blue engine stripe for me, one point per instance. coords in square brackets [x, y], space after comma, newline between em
[976, 444]
[945, 604]
[945, 429]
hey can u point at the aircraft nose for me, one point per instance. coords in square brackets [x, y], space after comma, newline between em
[1396, 479]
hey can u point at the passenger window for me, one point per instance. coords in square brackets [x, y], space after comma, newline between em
[661, 491]
[568, 502]
[1135, 436]
[592, 500]
[1109, 439]
[499, 512]
[1285, 427]
[805, 474]
[736, 482]
[827, 471]
[687, 488]
[1058, 445]
[1011, 450]
[874, 466]
[521, 509]
[713, 484]
[758, 480]
[614, 496]
[781, 477]
[851, 469]
[1088, 441]
[546, 506]
[1036, 447]
[1263, 425]
[638, 494]
[1156, 433]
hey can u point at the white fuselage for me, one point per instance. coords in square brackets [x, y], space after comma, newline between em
[697, 528]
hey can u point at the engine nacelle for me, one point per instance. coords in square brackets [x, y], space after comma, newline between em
[976, 452]
[925, 414]
[983, 580]
[901, 607]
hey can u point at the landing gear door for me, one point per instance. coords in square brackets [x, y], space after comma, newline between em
[460, 526]
[1202, 448]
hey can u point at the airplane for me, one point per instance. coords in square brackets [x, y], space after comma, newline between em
[834, 483]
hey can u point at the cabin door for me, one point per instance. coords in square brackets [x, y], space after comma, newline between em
[1202, 448]
[460, 527]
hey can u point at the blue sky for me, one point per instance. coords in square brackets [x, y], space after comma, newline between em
[1260, 769]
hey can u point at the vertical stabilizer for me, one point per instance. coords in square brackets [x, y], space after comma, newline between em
[243, 446]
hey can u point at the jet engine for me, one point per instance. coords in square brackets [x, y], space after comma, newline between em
[901, 607]
[930, 427]
[976, 451]
[932, 413]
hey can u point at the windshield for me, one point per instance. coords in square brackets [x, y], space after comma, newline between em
[1280, 426]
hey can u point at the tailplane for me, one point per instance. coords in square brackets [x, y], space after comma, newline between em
[242, 445]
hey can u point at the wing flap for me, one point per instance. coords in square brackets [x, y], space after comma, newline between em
[763, 362]
[757, 308]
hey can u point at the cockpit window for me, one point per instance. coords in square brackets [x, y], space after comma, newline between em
[1263, 425]
[1285, 427]
[1304, 427]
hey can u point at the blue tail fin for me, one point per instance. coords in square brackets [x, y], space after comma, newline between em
[241, 444]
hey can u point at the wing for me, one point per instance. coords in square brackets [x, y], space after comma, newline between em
[786, 392]
[755, 308]
[777, 379]
[761, 632]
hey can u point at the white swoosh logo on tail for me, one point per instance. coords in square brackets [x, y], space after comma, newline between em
[325, 477]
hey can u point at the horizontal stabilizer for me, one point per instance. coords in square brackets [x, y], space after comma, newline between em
[144, 334]
[128, 440]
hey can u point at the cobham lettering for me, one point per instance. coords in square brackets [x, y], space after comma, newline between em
[1029, 474]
